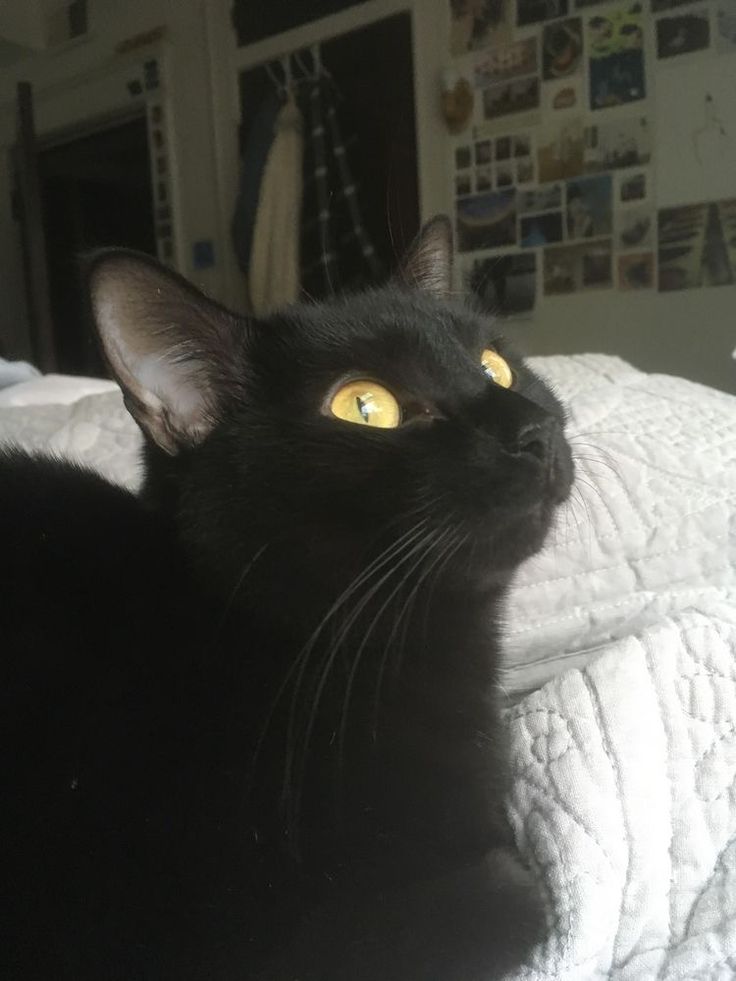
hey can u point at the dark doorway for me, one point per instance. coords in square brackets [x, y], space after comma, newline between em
[373, 74]
[95, 191]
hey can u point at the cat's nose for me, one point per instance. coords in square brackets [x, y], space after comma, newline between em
[537, 439]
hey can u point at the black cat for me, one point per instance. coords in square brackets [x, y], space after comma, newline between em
[249, 722]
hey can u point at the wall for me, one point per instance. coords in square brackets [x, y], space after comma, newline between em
[690, 331]
[86, 79]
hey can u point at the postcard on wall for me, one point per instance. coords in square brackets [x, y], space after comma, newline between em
[463, 157]
[562, 96]
[590, 207]
[562, 49]
[632, 188]
[463, 184]
[510, 61]
[483, 179]
[525, 171]
[661, 6]
[569, 268]
[517, 96]
[486, 221]
[683, 34]
[481, 24]
[505, 174]
[483, 152]
[506, 284]
[539, 230]
[536, 11]
[615, 43]
[560, 151]
[634, 229]
[697, 245]
[540, 199]
[636, 271]
[620, 143]
[725, 28]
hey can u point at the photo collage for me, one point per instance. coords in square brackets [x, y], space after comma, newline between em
[552, 175]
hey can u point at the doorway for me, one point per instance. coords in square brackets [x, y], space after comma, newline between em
[372, 71]
[95, 192]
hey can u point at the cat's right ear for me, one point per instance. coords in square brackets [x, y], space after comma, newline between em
[427, 264]
[171, 349]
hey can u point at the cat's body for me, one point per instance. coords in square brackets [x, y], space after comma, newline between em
[250, 719]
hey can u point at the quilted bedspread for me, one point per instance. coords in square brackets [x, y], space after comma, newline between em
[621, 673]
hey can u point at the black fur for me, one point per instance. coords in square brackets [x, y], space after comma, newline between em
[249, 720]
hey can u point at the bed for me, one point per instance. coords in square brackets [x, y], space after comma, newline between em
[620, 679]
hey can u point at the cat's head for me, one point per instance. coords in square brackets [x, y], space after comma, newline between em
[334, 427]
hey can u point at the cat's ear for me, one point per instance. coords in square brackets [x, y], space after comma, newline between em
[170, 348]
[427, 264]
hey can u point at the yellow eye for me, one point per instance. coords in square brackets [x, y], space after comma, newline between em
[497, 369]
[367, 404]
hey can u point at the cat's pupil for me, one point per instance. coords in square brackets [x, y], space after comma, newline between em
[363, 407]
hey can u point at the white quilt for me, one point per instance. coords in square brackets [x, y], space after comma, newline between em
[622, 634]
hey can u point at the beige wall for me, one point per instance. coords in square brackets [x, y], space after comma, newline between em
[691, 333]
[86, 80]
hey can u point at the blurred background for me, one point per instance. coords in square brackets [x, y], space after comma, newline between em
[586, 152]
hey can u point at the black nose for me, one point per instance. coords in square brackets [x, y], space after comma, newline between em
[537, 439]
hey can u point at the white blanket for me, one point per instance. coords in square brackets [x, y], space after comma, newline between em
[624, 801]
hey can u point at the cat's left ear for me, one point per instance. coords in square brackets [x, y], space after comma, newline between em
[427, 264]
[172, 350]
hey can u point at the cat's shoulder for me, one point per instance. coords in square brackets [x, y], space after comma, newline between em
[48, 504]
[74, 543]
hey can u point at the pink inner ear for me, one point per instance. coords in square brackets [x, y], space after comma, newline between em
[160, 340]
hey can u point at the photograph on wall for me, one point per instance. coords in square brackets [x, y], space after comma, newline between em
[503, 148]
[562, 96]
[615, 45]
[562, 49]
[483, 152]
[479, 24]
[522, 145]
[463, 157]
[632, 187]
[618, 143]
[589, 207]
[636, 271]
[540, 199]
[536, 11]
[486, 221]
[634, 229]
[525, 171]
[570, 268]
[463, 185]
[510, 61]
[506, 284]
[560, 151]
[725, 28]
[505, 175]
[661, 6]
[539, 230]
[696, 245]
[683, 34]
[483, 179]
[519, 95]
